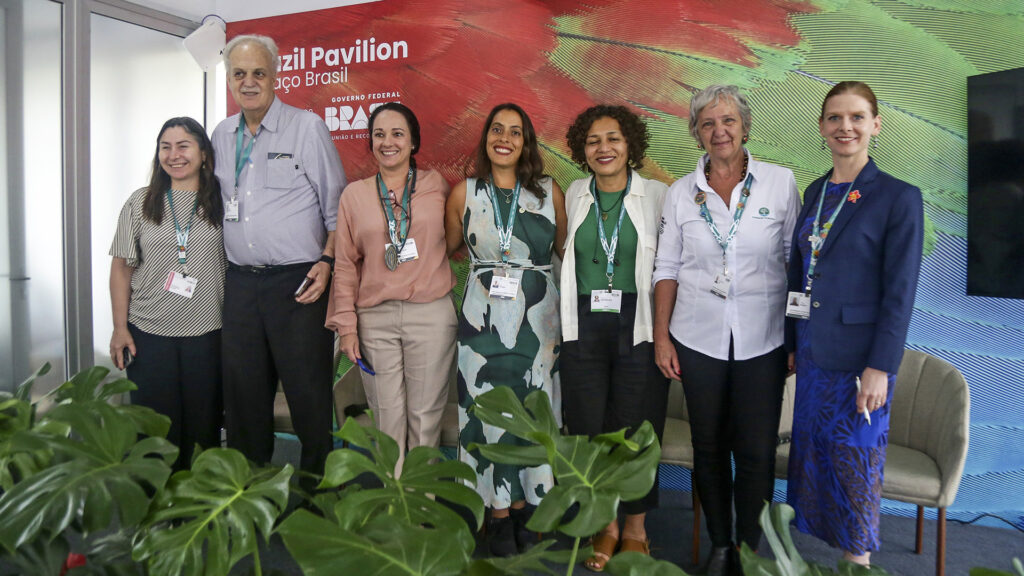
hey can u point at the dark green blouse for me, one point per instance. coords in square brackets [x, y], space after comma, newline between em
[591, 276]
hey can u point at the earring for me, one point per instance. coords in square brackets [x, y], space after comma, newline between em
[745, 138]
[874, 142]
[823, 147]
[700, 146]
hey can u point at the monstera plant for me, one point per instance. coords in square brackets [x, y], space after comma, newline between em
[403, 528]
[65, 473]
[98, 474]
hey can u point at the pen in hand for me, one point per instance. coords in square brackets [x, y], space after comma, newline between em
[867, 414]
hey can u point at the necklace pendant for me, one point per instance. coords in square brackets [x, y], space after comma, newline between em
[604, 216]
[391, 257]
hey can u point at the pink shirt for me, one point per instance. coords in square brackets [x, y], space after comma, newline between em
[361, 279]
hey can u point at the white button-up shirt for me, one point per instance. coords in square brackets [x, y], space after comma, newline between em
[754, 312]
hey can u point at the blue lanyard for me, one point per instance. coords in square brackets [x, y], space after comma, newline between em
[701, 201]
[242, 158]
[182, 235]
[609, 247]
[818, 235]
[504, 234]
[397, 233]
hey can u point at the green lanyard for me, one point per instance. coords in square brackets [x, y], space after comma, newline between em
[818, 235]
[701, 201]
[182, 235]
[609, 247]
[504, 234]
[242, 157]
[398, 231]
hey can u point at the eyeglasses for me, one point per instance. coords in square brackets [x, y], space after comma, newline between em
[393, 198]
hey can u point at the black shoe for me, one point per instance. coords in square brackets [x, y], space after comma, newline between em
[719, 562]
[501, 540]
[525, 538]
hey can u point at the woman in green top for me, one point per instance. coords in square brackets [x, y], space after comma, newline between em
[609, 378]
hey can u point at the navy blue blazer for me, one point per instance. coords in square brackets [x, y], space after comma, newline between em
[866, 277]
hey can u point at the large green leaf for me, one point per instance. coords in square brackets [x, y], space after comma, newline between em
[98, 469]
[775, 520]
[425, 476]
[17, 461]
[385, 545]
[533, 561]
[18, 415]
[208, 517]
[1017, 566]
[40, 558]
[88, 388]
[595, 473]
[111, 555]
[24, 390]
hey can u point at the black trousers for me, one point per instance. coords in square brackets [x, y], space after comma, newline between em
[734, 408]
[268, 336]
[609, 384]
[180, 377]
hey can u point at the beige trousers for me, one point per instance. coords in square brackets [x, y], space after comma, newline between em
[410, 347]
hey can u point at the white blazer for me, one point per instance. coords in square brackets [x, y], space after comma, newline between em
[643, 206]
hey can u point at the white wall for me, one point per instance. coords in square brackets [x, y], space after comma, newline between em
[235, 10]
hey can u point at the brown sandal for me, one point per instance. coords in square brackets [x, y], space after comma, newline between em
[604, 546]
[631, 545]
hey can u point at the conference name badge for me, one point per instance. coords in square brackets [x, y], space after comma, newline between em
[720, 287]
[798, 305]
[606, 301]
[504, 287]
[408, 252]
[231, 210]
[180, 284]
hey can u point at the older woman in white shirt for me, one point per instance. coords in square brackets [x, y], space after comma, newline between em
[719, 299]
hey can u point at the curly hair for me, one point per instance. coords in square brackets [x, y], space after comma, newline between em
[632, 126]
[529, 168]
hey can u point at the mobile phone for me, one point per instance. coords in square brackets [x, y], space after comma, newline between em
[127, 356]
[365, 366]
[305, 284]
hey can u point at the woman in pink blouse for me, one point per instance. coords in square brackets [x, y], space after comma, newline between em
[391, 301]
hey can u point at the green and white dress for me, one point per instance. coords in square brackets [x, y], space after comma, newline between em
[504, 342]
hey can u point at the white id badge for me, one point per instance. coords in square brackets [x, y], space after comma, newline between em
[504, 287]
[606, 301]
[408, 252]
[798, 305]
[180, 284]
[720, 287]
[231, 210]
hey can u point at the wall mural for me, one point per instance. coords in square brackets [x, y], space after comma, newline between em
[452, 60]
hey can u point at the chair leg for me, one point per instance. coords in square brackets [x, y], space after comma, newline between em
[940, 544]
[918, 546]
[696, 525]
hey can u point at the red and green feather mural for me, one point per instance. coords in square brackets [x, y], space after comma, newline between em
[558, 57]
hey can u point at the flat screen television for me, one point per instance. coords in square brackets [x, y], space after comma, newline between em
[995, 184]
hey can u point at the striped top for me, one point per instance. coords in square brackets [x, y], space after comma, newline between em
[151, 249]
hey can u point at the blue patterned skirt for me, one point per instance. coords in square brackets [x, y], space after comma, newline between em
[836, 458]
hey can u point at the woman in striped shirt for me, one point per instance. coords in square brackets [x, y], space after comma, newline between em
[167, 288]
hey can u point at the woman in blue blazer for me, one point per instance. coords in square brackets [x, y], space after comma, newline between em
[852, 277]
